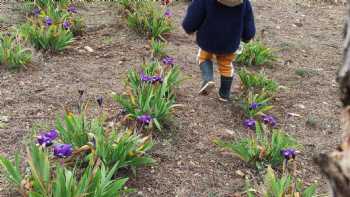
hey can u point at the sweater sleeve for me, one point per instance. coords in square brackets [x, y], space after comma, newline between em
[248, 24]
[194, 17]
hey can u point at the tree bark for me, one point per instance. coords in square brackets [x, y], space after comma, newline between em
[336, 166]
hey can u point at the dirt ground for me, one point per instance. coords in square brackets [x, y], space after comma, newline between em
[306, 38]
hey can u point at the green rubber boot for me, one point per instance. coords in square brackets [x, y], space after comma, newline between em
[207, 77]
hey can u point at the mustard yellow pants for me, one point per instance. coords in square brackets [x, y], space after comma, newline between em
[224, 61]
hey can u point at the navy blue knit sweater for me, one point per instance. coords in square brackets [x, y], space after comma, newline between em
[219, 28]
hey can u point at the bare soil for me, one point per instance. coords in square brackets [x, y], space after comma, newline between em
[306, 38]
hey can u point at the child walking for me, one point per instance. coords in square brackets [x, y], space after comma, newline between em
[220, 27]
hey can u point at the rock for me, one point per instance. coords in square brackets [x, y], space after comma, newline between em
[89, 49]
[229, 132]
[301, 106]
[240, 173]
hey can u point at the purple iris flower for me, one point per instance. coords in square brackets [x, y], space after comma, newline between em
[66, 25]
[168, 61]
[145, 78]
[156, 79]
[36, 11]
[48, 21]
[255, 106]
[289, 153]
[144, 119]
[168, 13]
[250, 123]
[72, 9]
[269, 120]
[151, 79]
[45, 139]
[62, 150]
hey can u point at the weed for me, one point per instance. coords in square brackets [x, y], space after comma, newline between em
[304, 72]
[107, 40]
[311, 121]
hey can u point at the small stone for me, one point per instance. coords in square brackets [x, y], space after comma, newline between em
[301, 106]
[240, 173]
[293, 114]
[229, 132]
[89, 49]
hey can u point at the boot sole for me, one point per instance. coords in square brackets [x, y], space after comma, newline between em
[223, 99]
[207, 88]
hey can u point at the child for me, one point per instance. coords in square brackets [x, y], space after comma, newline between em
[220, 26]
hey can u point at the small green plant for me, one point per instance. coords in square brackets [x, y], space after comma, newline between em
[52, 38]
[61, 15]
[148, 106]
[304, 72]
[312, 121]
[150, 96]
[158, 48]
[285, 186]
[257, 82]
[50, 179]
[168, 78]
[261, 149]
[12, 52]
[255, 104]
[123, 148]
[129, 5]
[114, 147]
[43, 4]
[74, 129]
[256, 53]
[150, 19]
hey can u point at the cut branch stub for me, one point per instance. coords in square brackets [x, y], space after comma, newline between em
[344, 72]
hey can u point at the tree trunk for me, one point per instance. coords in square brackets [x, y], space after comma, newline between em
[336, 165]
